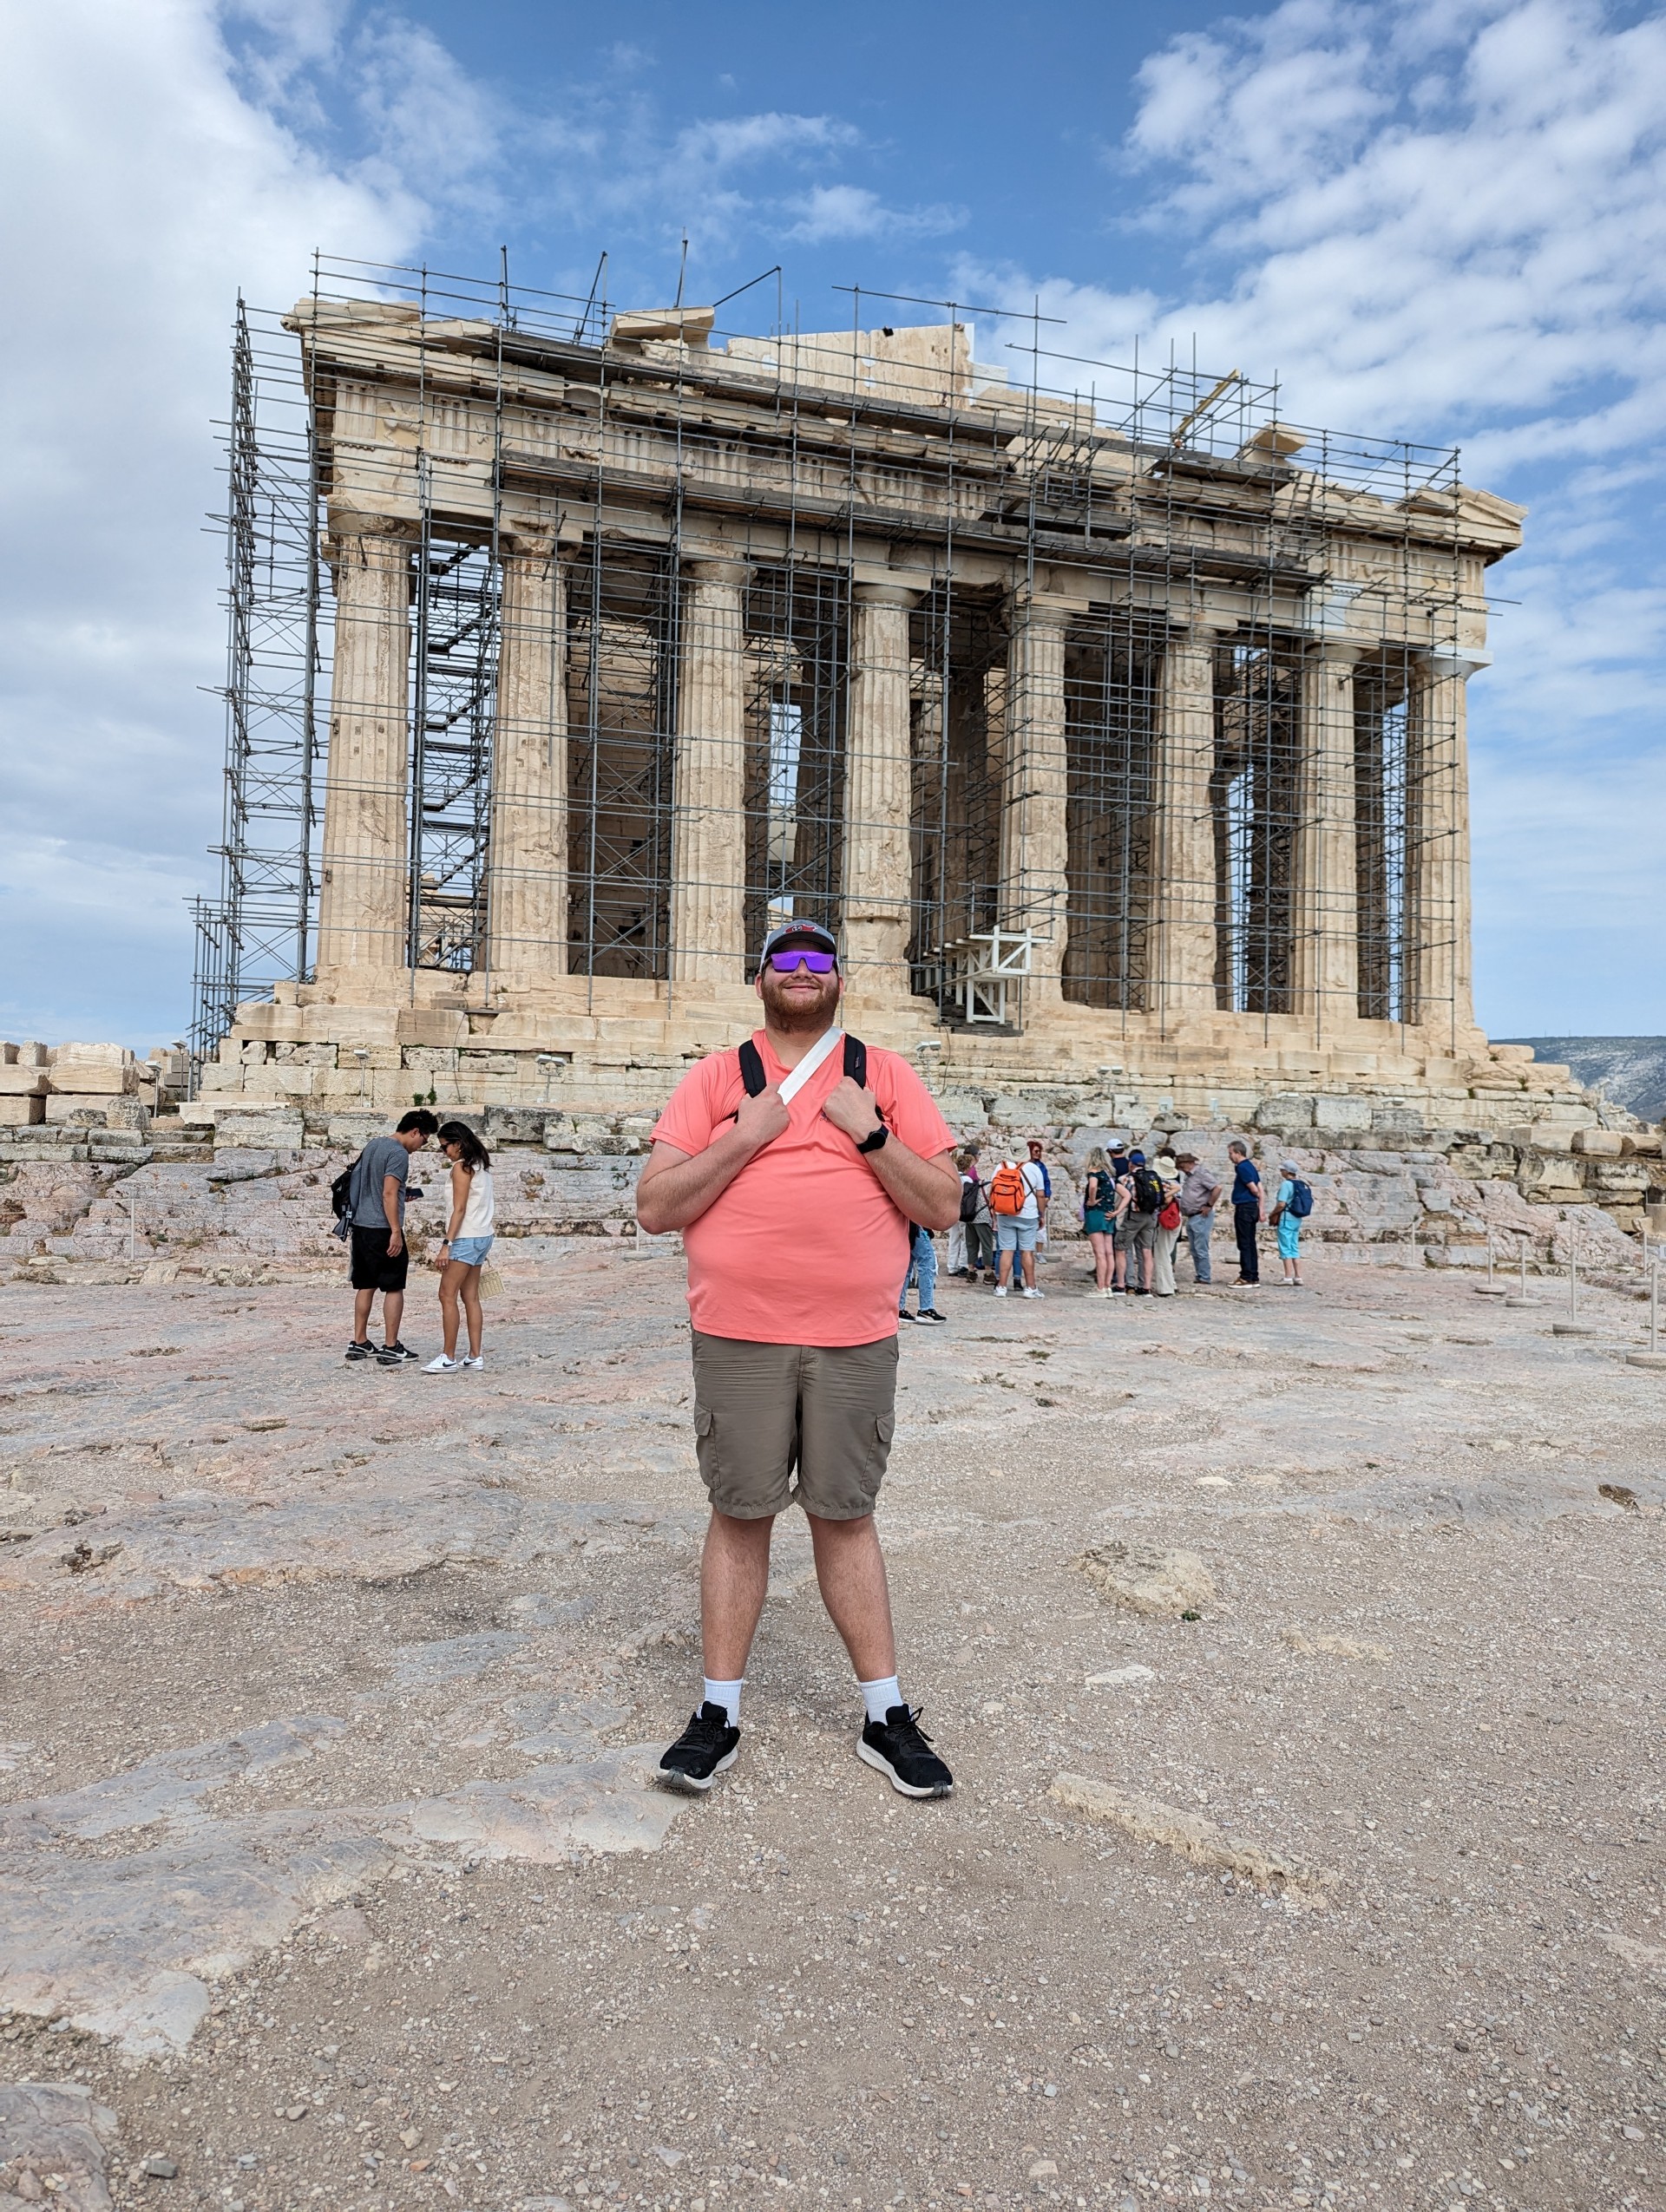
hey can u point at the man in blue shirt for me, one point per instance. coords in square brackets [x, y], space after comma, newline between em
[1246, 1212]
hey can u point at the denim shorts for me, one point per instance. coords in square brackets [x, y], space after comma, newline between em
[1013, 1235]
[471, 1251]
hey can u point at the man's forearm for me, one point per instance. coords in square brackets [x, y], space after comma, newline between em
[926, 1193]
[672, 1196]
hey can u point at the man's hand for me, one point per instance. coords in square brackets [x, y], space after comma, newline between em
[761, 1119]
[395, 1243]
[852, 1109]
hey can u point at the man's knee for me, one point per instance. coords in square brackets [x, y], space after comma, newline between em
[742, 1529]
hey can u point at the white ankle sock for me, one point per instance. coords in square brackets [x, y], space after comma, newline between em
[880, 1697]
[726, 1694]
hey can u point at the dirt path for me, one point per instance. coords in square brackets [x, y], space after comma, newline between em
[332, 1876]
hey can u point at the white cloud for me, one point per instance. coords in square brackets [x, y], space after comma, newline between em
[143, 188]
[426, 116]
[852, 211]
[732, 141]
[1448, 221]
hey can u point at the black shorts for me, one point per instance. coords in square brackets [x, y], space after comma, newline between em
[374, 1266]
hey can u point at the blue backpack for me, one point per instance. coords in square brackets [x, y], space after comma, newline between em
[1299, 1204]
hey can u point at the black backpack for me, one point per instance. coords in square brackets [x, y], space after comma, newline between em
[752, 1074]
[341, 1200]
[341, 1191]
[970, 1193]
[1148, 1191]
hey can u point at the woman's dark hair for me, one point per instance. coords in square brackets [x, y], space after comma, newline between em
[475, 1154]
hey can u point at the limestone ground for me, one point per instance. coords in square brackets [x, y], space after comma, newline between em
[330, 1868]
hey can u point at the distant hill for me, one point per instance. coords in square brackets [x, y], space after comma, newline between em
[1629, 1070]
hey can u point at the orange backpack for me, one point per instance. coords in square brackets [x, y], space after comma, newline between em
[1008, 1191]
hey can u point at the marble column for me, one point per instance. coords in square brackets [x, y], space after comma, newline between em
[528, 846]
[1324, 916]
[1035, 840]
[363, 921]
[1180, 968]
[878, 794]
[708, 841]
[1438, 986]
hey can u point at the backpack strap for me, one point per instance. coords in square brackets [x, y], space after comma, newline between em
[752, 1074]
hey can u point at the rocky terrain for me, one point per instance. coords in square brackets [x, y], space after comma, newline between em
[238, 1215]
[1629, 1070]
[334, 1873]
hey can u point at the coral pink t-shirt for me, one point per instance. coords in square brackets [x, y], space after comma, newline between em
[806, 1246]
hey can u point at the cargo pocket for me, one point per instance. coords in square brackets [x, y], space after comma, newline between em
[706, 1445]
[879, 1453]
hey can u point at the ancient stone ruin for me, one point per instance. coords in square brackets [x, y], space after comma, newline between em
[1117, 729]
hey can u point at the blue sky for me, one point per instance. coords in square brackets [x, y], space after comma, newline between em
[1441, 221]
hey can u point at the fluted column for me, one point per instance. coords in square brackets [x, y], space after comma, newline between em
[878, 794]
[1035, 840]
[528, 846]
[708, 845]
[1438, 960]
[363, 888]
[1324, 907]
[1181, 966]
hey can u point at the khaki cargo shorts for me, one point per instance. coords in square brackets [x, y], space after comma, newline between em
[765, 1412]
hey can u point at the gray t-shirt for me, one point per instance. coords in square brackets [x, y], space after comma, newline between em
[382, 1157]
[1198, 1186]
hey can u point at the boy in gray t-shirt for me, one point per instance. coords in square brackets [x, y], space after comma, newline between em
[380, 1258]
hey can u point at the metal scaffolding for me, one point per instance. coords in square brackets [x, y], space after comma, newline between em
[1149, 491]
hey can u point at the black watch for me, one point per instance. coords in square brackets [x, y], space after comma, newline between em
[875, 1139]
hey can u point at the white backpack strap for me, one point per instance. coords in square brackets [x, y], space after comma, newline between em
[817, 1056]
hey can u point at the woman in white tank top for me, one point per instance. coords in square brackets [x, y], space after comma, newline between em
[469, 1239]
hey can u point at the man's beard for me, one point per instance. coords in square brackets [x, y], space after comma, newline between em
[794, 1020]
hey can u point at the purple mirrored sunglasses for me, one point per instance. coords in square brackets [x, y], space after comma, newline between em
[801, 955]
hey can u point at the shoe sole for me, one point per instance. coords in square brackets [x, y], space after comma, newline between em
[868, 1756]
[691, 1785]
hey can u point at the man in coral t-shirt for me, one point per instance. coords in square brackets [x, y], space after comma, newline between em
[794, 1208]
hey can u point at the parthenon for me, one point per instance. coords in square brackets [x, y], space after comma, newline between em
[1118, 730]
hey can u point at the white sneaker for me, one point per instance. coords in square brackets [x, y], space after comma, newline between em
[1000, 1290]
[443, 1366]
[472, 1360]
[1035, 1293]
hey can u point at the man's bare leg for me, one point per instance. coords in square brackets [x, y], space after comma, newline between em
[851, 1569]
[362, 1301]
[1028, 1262]
[734, 1575]
[393, 1313]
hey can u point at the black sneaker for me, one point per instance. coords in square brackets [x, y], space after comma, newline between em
[705, 1747]
[898, 1746]
[393, 1355]
[930, 1316]
[904, 1314]
[360, 1351]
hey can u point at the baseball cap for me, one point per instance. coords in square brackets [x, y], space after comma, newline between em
[799, 933]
